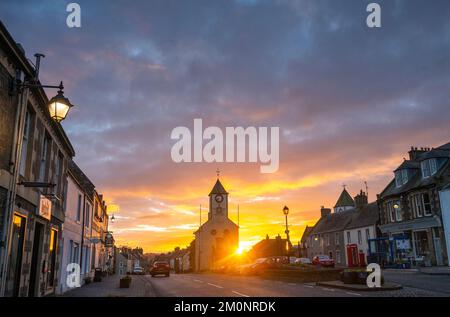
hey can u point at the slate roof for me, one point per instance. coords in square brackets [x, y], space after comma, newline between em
[417, 181]
[345, 200]
[333, 222]
[218, 188]
[306, 233]
[83, 181]
[364, 216]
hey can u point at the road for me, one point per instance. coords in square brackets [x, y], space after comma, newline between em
[187, 285]
[219, 285]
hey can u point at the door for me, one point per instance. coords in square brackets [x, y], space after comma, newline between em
[33, 290]
[15, 256]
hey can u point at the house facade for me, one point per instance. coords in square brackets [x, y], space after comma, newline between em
[33, 180]
[410, 207]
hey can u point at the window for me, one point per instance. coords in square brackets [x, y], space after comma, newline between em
[43, 159]
[327, 237]
[417, 205]
[87, 215]
[367, 234]
[58, 173]
[338, 256]
[421, 205]
[51, 275]
[398, 211]
[390, 210]
[79, 208]
[426, 204]
[25, 138]
[349, 240]
[401, 177]
[336, 238]
[359, 237]
[429, 167]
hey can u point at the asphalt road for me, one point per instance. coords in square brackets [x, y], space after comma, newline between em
[218, 285]
[414, 279]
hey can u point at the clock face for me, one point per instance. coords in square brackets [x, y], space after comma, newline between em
[219, 198]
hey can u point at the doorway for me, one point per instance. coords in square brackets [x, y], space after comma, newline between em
[36, 259]
[15, 256]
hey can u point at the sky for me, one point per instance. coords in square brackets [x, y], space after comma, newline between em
[349, 101]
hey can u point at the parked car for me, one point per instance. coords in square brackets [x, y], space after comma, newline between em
[323, 260]
[160, 268]
[138, 271]
[304, 261]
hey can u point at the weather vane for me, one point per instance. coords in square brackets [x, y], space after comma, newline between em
[218, 173]
[344, 185]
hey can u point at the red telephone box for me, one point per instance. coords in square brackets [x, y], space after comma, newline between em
[362, 259]
[352, 255]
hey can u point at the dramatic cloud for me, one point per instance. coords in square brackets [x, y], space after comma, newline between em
[349, 100]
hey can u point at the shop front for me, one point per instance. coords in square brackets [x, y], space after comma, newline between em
[417, 242]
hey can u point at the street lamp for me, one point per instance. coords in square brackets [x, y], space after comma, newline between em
[59, 105]
[113, 218]
[286, 212]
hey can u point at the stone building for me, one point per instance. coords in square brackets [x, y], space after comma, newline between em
[344, 234]
[217, 238]
[410, 207]
[271, 247]
[31, 214]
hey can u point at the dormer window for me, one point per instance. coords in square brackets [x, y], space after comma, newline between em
[401, 177]
[429, 167]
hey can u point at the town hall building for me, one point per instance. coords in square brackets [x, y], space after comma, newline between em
[218, 238]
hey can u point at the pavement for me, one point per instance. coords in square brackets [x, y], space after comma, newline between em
[414, 284]
[436, 270]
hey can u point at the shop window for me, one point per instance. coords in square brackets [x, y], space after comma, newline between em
[338, 256]
[421, 243]
[359, 237]
[51, 272]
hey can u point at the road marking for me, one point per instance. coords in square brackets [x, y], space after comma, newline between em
[328, 289]
[198, 281]
[309, 286]
[240, 294]
[218, 286]
[352, 293]
[292, 284]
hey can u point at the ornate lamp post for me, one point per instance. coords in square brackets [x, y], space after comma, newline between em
[286, 212]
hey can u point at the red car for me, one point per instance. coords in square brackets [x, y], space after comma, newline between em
[160, 268]
[323, 260]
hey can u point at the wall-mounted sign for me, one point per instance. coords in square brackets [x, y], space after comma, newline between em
[45, 207]
[109, 240]
[403, 244]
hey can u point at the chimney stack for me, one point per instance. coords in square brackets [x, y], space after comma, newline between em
[324, 211]
[361, 199]
[415, 152]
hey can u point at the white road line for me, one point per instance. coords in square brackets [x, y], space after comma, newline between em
[309, 286]
[352, 293]
[218, 286]
[292, 284]
[328, 289]
[198, 281]
[240, 294]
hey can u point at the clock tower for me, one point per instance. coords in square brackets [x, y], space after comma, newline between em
[218, 238]
[218, 201]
